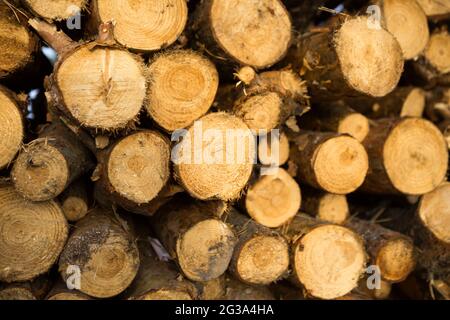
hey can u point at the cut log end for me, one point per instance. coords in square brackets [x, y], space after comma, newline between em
[274, 199]
[69, 296]
[434, 8]
[437, 52]
[46, 166]
[182, 89]
[56, 9]
[96, 84]
[340, 165]
[434, 212]
[260, 31]
[396, 259]
[263, 260]
[333, 208]
[329, 260]
[371, 59]
[16, 293]
[11, 130]
[415, 156]
[354, 124]
[414, 104]
[207, 169]
[74, 201]
[33, 235]
[278, 155]
[205, 250]
[166, 294]
[408, 23]
[138, 166]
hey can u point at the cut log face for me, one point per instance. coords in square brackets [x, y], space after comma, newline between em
[325, 206]
[12, 128]
[273, 199]
[434, 212]
[437, 52]
[105, 254]
[254, 33]
[434, 8]
[396, 259]
[56, 9]
[69, 296]
[144, 25]
[370, 59]
[408, 23]
[414, 104]
[74, 201]
[102, 88]
[33, 235]
[182, 89]
[236, 290]
[219, 165]
[267, 156]
[17, 44]
[16, 292]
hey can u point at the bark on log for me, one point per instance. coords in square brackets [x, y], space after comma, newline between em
[12, 129]
[56, 9]
[331, 162]
[274, 199]
[104, 250]
[259, 37]
[75, 201]
[352, 60]
[48, 165]
[327, 259]
[406, 155]
[196, 238]
[261, 255]
[33, 236]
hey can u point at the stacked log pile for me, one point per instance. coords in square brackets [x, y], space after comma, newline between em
[224, 149]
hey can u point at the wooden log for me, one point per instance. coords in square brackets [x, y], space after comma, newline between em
[142, 25]
[381, 293]
[213, 289]
[391, 251]
[336, 117]
[215, 158]
[328, 161]
[182, 88]
[62, 293]
[196, 238]
[158, 280]
[33, 236]
[406, 20]
[12, 129]
[273, 150]
[327, 259]
[402, 102]
[92, 82]
[104, 250]
[349, 60]
[134, 170]
[435, 9]
[18, 44]
[49, 164]
[56, 9]
[325, 206]
[261, 255]
[406, 155]
[75, 201]
[260, 35]
[17, 291]
[273, 199]
[236, 290]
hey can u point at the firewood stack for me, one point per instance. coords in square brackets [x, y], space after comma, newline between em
[224, 149]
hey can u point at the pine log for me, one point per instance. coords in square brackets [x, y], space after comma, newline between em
[236, 290]
[435, 9]
[274, 199]
[331, 162]
[325, 206]
[407, 155]
[245, 32]
[261, 255]
[12, 128]
[75, 201]
[17, 291]
[196, 238]
[96, 84]
[273, 151]
[134, 170]
[213, 289]
[61, 292]
[327, 259]
[182, 88]
[391, 251]
[408, 23]
[104, 250]
[56, 9]
[349, 60]
[381, 293]
[48, 165]
[215, 158]
[337, 117]
[33, 235]
[18, 45]
[142, 25]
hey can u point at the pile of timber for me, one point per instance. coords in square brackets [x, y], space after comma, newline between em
[224, 149]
